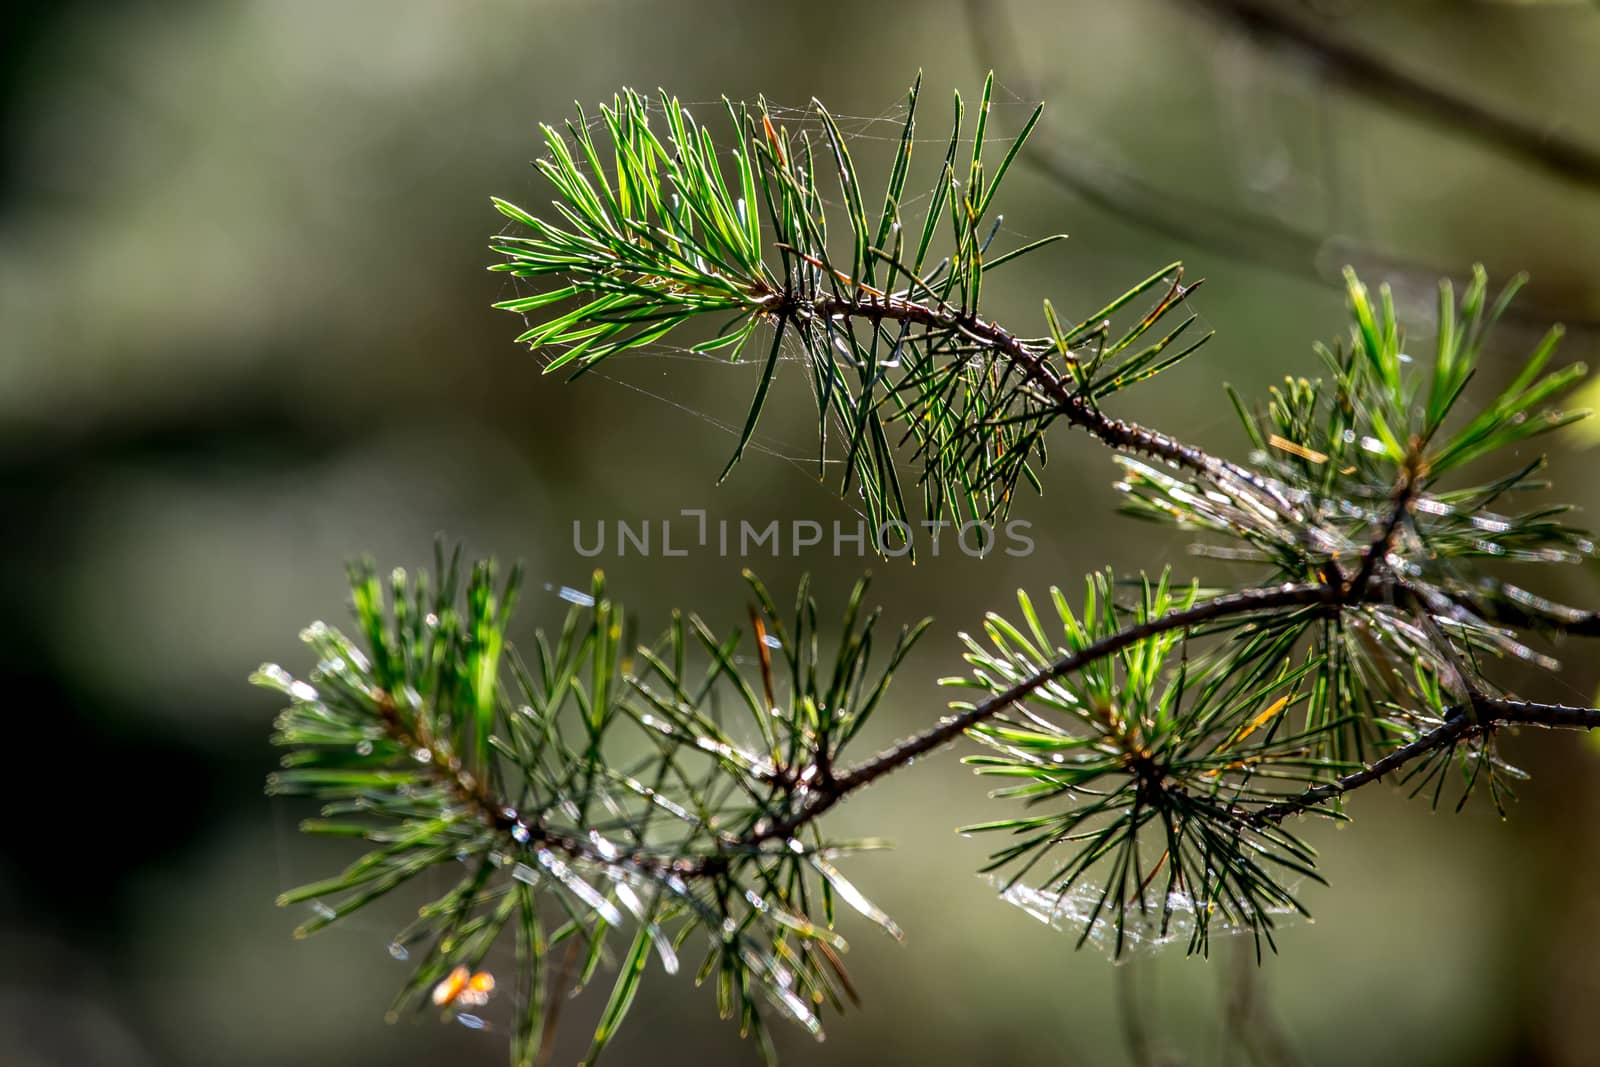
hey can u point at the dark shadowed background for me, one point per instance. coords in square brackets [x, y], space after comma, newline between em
[246, 335]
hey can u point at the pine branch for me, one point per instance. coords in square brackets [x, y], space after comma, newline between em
[1074, 405]
[1369, 559]
[903, 753]
[586, 788]
[893, 340]
[1159, 738]
[1460, 723]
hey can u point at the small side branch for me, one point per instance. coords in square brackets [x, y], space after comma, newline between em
[1077, 409]
[1462, 721]
[864, 774]
[474, 794]
[1405, 494]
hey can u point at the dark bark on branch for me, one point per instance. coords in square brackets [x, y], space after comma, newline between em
[1077, 409]
[1461, 722]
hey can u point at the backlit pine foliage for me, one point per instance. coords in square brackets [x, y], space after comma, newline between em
[598, 798]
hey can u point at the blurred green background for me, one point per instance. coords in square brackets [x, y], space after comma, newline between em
[247, 334]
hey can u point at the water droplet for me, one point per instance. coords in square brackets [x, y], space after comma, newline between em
[274, 675]
[571, 595]
[605, 848]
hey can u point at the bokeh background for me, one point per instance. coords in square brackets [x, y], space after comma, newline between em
[246, 334]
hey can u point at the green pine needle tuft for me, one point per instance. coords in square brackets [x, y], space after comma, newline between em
[582, 790]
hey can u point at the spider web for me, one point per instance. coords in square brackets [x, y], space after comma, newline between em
[1150, 924]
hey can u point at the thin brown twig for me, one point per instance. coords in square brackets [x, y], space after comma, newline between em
[903, 752]
[1400, 502]
[1461, 721]
[474, 793]
[1077, 409]
[547, 1044]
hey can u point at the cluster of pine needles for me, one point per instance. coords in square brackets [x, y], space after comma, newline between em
[596, 797]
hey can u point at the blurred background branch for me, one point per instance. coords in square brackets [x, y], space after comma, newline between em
[1171, 209]
[1358, 70]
